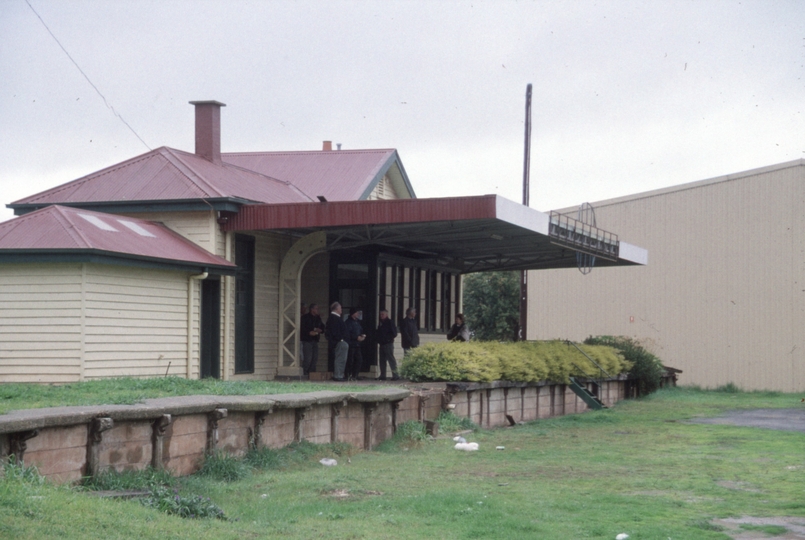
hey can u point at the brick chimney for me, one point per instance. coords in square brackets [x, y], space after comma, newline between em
[327, 146]
[208, 129]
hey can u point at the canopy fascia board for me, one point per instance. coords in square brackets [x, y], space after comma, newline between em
[466, 234]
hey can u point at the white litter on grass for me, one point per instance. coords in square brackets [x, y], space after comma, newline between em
[622, 536]
[467, 446]
[500, 448]
[264, 495]
[459, 439]
[327, 462]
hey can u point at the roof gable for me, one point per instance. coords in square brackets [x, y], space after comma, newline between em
[340, 175]
[59, 229]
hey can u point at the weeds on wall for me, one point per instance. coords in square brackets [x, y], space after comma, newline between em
[411, 434]
[224, 467]
[18, 471]
[294, 454]
[450, 423]
[524, 361]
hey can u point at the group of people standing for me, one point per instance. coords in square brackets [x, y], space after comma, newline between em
[344, 338]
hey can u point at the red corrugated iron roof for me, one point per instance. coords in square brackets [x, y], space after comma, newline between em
[64, 230]
[340, 175]
[168, 174]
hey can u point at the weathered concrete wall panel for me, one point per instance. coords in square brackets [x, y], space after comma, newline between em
[60, 453]
[279, 428]
[187, 442]
[127, 446]
[233, 432]
[318, 424]
[351, 425]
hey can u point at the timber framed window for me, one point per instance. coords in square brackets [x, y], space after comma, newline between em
[244, 304]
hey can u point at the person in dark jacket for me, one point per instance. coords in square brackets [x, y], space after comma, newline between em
[355, 337]
[409, 331]
[459, 331]
[310, 329]
[336, 333]
[386, 334]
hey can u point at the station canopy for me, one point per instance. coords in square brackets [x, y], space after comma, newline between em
[463, 234]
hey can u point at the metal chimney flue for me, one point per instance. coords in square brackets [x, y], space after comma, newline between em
[208, 129]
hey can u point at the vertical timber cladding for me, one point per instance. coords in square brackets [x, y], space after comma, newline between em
[434, 293]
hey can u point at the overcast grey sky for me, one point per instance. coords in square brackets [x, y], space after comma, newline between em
[628, 95]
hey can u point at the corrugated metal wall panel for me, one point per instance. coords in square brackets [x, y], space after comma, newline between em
[723, 295]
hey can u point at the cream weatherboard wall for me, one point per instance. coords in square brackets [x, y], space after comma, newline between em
[65, 322]
[135, 322]
[40, 322]
[723, 295]
[202, 228]
[269, 250]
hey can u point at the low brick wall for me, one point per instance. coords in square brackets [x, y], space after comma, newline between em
[68, 443]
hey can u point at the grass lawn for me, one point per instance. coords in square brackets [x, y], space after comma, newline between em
[638, 468]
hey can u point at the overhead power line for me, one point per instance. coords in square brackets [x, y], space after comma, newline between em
[105, 102]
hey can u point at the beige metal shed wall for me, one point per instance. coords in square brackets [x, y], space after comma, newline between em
[136, 323]
[40, 323]
[723, 295]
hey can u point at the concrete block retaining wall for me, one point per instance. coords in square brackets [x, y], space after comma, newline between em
[68, 443]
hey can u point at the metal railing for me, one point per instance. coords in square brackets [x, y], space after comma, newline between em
[603, 373]
[567, 231]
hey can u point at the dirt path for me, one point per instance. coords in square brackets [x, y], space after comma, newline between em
[780, 419]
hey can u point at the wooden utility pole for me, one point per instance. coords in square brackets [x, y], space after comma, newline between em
[526, 195]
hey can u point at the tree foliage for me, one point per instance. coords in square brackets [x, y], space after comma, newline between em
[492, 305]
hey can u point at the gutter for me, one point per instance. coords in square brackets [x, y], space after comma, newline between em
[191, 306]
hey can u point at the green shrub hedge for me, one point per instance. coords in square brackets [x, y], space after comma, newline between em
[523, 361]
[646, 368]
